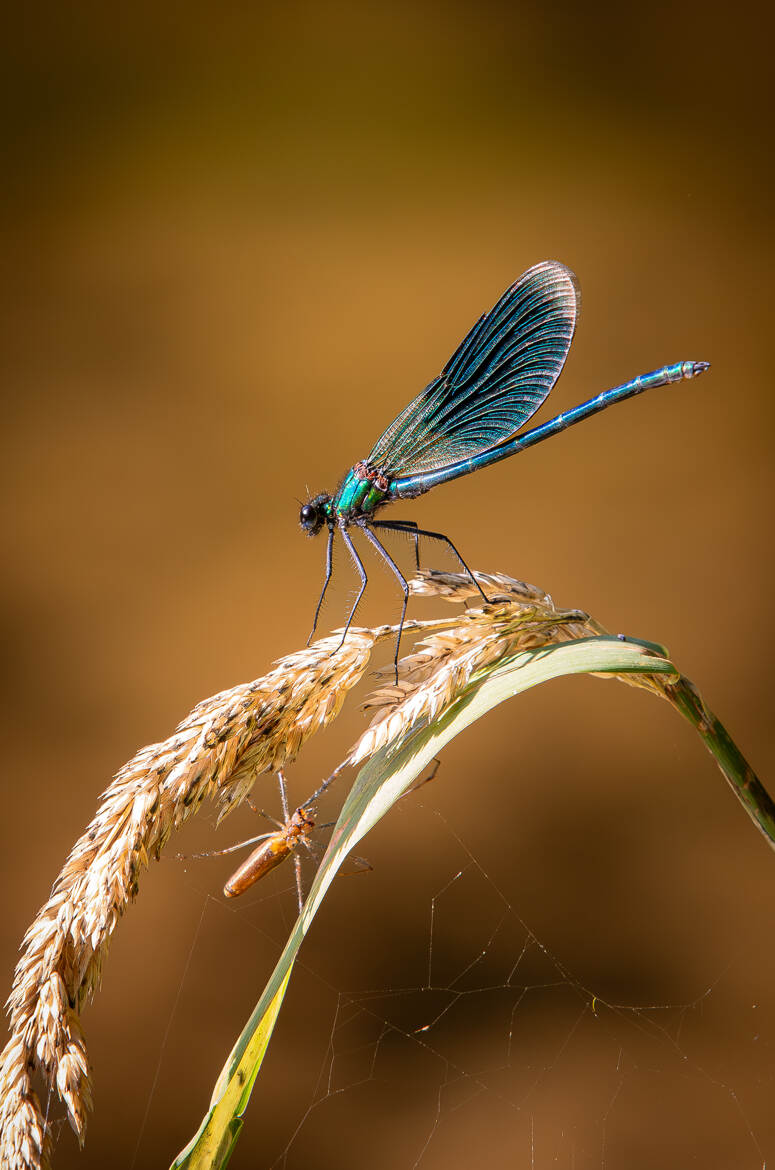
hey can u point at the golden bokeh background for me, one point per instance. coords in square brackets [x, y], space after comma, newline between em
[237, 241]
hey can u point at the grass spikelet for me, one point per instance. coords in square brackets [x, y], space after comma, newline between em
[523, 617]
[520, 617]
[217, 751]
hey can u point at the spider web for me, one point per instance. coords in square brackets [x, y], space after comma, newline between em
[498, 1054]
[485, 1045]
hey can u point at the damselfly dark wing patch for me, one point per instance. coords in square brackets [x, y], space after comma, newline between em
[496, 379]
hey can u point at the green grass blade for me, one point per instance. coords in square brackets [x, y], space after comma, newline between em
[746, 785]
[215, 1139]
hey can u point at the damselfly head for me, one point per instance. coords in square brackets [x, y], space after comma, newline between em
[313, 515]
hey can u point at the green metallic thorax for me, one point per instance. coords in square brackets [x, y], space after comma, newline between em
[358, 495]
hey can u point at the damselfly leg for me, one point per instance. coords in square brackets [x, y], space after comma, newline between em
[383, 552]
[361, 572]
[411, 528]
[329, 570]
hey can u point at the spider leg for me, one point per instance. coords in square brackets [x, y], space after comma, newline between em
[299, 887]
[410, 527]
[329, 570]
[261, 813]
[424, 780]
[326, 783]
[383, 552]
[283, 794]
[231, 848]
[361, 572]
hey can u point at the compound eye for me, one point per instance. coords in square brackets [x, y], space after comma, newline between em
[308, 515]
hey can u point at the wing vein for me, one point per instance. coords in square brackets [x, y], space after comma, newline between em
[495, 380]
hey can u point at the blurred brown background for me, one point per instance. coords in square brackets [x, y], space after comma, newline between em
[236, 243]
